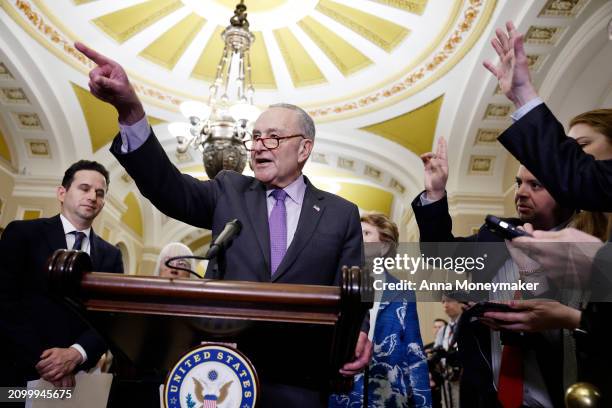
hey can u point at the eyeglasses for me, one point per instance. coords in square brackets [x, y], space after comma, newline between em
[269, 143]
[172, 262]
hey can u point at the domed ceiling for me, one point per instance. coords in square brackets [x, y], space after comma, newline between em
[381, 78]
[336, 58]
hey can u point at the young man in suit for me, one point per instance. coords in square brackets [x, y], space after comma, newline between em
[481, 349]
[574, 178]
[291, 231]
[42, 337]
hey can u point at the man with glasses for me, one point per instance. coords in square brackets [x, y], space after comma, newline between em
[292, 232]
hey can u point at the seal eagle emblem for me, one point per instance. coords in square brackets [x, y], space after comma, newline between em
[211, 376]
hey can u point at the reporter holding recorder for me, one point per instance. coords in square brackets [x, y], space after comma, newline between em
[574, 177]
[489, 365]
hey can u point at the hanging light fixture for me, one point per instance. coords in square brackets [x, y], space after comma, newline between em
[218, 128]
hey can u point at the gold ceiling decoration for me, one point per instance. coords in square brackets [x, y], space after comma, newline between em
[381, 32]
[38, 148]
[123, 24]
[254, 6]
[5, 73]
[475, 17]
[14, 96]
[101, 118]
[345, 57]
[412, 6]
[414, 130]
[168, 48]
[367, 198]
[167, 28]
[5, 152]
[302, 68]
[132, 217]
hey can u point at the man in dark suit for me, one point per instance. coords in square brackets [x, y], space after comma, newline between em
[574, 178]
[292, 232]
[41, 337]
[482, 362]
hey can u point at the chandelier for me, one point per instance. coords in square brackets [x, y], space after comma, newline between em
[217, 129]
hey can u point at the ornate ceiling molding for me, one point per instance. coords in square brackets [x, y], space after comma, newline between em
[465, 24]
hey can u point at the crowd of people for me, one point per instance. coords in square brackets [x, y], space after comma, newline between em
[522, 357]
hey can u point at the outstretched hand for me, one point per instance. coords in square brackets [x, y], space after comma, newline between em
[512, 71]
[109, 83]
[436, 171]
[534, 316]
[565, 255]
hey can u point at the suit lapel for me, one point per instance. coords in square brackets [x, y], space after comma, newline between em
[54, 233]
[313, 208]
[255, 199]
[94, 250]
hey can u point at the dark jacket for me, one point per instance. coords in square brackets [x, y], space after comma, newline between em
[574, 178]
[474, 339]
[32, 319]
[328, 236]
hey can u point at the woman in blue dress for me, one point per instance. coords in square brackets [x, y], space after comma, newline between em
[398, 375]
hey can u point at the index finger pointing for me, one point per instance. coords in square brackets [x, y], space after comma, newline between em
[93, 55]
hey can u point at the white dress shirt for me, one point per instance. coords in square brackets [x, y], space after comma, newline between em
[85, 247]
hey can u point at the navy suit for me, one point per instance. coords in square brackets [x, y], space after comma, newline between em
[574, 178]
[32, 320]
[328, 236]
[476, 388]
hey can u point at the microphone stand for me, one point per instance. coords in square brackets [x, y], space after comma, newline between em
[221, 263]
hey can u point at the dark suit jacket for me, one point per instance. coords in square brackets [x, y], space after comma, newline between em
[328, 234]
[574, 178]
[33, 320]
[435, 225]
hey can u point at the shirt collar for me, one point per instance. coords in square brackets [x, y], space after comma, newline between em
[295, 190]
[68, 227]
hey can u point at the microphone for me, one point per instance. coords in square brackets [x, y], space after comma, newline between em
[231, 230]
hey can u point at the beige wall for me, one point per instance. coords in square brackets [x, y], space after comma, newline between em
[15, 205]
[6, 191]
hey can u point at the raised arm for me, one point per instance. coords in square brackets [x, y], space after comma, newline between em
[512, 71]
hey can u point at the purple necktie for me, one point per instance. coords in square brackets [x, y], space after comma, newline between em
[278, 230]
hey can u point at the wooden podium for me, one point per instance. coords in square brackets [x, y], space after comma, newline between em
[298, 334]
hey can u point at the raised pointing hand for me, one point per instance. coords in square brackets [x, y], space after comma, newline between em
[436, 171]
[512, 71]
[109, 83]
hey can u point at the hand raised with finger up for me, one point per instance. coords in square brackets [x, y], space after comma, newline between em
[436, 171]
[109, 83]
[512, 71]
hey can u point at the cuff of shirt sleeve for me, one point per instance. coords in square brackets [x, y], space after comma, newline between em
[81, 351]
[526, 108]
[134, 136]
[424, 200]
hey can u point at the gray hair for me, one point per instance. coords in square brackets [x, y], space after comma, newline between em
[306, 122]
[171, 250]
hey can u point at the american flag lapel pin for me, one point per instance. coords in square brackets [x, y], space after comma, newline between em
[316, 207]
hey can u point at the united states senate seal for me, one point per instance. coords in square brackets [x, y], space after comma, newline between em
[212, 376]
